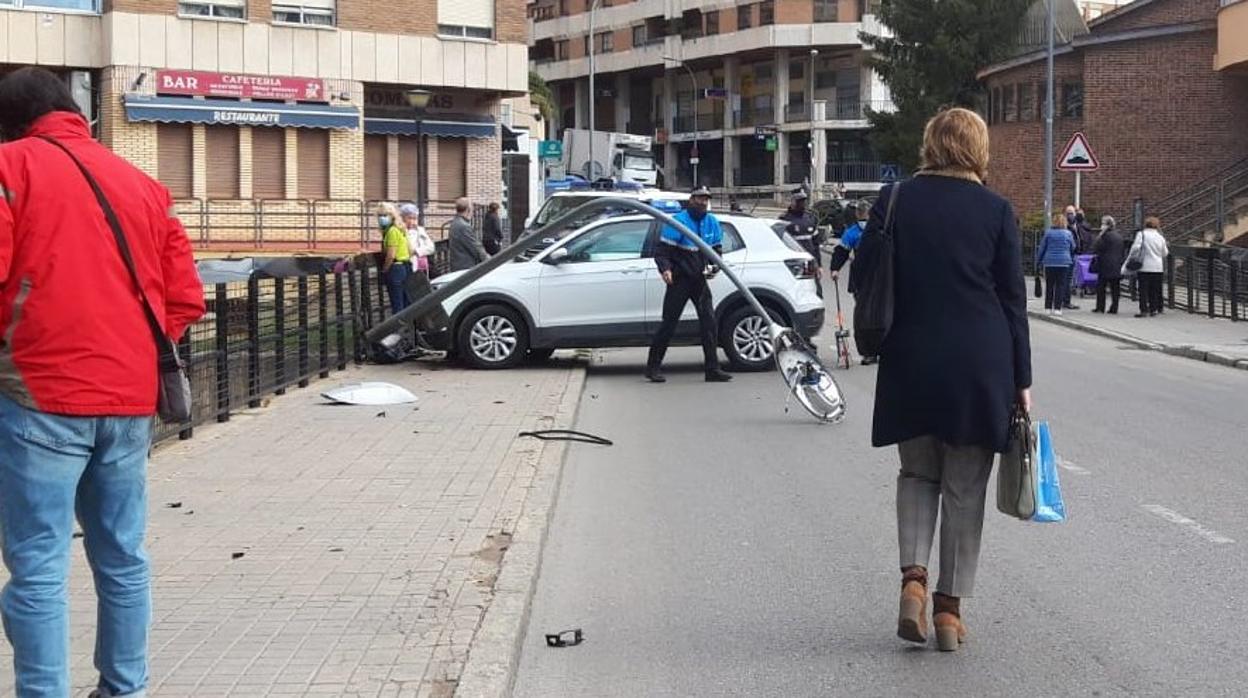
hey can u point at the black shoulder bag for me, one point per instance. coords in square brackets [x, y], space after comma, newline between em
[875, 295]
[173, 401]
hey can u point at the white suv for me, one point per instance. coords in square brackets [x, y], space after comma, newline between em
[597, 286]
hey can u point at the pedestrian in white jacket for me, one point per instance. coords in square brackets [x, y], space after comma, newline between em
[1147, 258]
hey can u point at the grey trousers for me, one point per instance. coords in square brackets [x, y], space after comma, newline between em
[955, 480]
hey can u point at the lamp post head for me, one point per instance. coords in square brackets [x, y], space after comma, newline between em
[418, 99]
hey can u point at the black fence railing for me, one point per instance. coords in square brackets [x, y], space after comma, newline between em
[265, 335]
[1199, 280]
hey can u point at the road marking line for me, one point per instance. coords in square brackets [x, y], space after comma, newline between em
[1196, 527]
[1067, 465]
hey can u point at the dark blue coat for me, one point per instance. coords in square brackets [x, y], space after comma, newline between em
[959, 349]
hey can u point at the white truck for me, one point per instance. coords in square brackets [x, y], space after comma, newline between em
[625, 157]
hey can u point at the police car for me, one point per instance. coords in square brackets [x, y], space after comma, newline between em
[597, 286]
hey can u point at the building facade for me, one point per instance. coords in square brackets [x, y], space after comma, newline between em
[278, 124]
[771, 94]
[1160, 89]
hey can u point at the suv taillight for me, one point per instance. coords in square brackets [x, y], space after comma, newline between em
[801, 268]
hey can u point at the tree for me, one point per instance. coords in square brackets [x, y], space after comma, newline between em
[541, 96]
[931, 61]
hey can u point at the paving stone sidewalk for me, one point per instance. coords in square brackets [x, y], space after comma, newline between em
[307, 549]
[1194, 336]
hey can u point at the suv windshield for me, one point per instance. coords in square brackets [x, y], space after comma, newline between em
[556, 206]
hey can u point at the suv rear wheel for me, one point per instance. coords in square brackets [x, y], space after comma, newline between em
[746, 338]
[491, 337]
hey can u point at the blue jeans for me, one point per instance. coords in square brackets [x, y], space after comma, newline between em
[53, 468]
[396, 285]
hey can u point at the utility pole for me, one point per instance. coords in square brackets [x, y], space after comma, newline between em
[592, 97]
[1048, 122]
[694, 156]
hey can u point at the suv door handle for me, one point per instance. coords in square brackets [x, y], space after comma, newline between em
[638, 270]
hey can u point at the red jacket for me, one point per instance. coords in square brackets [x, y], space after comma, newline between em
[75, 340]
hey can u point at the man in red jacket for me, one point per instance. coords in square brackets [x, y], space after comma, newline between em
[78, 382]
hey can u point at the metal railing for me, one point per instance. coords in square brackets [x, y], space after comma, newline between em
[265, 335]
[335, 225]
[796, 112]
[796, 172]
[868, 171]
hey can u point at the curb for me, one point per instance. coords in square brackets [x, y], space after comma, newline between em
[1180, 350]
[494, 655]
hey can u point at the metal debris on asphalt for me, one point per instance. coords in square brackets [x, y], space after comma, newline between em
[174, 505]
[567, 435]
[236, 556]
[370, 393]
[565, 638]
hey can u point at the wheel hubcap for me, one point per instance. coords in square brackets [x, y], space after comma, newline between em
[493, 338]
[752, 339]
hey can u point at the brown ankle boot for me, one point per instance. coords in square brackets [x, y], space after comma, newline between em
[947, 617]
[912, 618]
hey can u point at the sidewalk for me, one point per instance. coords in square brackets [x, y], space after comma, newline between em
[308, 549]
[1215, 340]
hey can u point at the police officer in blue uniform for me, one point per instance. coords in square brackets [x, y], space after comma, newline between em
[803, 227]
[686, 270]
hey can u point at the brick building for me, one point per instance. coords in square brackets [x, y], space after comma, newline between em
[1160, 88]
[281, 122]
[773, 93]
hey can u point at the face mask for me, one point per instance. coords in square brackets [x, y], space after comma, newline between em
[385, 221]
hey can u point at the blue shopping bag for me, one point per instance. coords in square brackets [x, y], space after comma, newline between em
[1049, 504]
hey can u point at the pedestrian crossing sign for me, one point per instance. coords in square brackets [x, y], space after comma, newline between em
[1078, 155]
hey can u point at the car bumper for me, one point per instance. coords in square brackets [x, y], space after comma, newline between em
[438, 341]
[810, 322]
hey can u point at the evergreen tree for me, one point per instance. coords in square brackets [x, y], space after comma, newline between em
[541, 96]
[930, 62]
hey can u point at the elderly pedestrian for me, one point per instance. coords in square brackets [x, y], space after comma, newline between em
[81, 325]
[955, 364]
[1109, 251]
[418, 240]
[1149, 250]
[492, 230]
[1056, 255]
[466, 249]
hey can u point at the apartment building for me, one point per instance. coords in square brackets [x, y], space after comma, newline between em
[769, 94]
[278, 123]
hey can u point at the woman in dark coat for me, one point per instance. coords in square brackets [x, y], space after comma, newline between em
[1110, 252]
[955, 363]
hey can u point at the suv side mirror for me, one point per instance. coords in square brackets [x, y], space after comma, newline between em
[556, 257]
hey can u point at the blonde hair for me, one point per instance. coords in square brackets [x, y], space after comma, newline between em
[389, 209]
[956, 140]
[1152, 222]
[1058, 220]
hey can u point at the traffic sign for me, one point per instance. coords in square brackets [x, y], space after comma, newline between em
[1078, 155]
[772, 143]
[889, 173]
[761, 132]
[550, 150]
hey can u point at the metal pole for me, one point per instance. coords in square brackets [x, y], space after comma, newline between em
[697, 151]
[422, 200]
[592, 7]
[1048, 119]
[1078, 188]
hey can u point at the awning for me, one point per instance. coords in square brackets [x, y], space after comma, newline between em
[435, 125]
[182, 110]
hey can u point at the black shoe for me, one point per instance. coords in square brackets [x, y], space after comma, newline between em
[1141, 314]
[1153, 314]
[718, 376]
[868, 360]
[1070, 306]
[655, 376]
[1113, 311]
[1098, 310]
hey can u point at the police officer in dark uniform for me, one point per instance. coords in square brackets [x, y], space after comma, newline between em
[804, 228]
[686, 270]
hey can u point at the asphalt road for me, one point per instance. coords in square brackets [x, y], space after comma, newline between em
[725, 548]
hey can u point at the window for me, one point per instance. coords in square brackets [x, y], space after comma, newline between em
[561, 50]
[221, 149]
[712, 22]
[767, 12]
[606, 42]
[221, 9]
[472, 19]
[268, 163]
[174, 153]
[451, 178]
[585, 44]
[613, 242]
[732, 239]
[563, 8]
[79, 5]
[313, 157]
[1072, 100]
[1008, 104]
[745, 16]
[1026, 102]
[996, 105]
[314, 12]
[826, 11]
[639, 35]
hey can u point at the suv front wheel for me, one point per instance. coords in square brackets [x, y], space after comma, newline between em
[746, 339]
[493, 336]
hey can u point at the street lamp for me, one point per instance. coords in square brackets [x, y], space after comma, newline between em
[592, 96]
[418, 100]
[693, 156]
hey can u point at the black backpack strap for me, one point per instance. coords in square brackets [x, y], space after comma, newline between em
[163, 343]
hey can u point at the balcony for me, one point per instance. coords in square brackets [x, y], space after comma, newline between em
[794, 113]
[755, 116]
[848, 171]
[686, 123]
[1232, 36]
